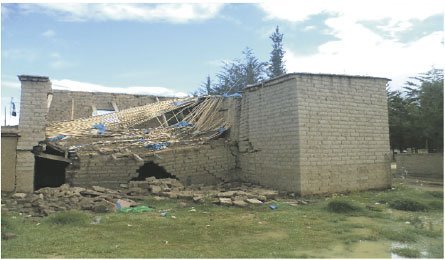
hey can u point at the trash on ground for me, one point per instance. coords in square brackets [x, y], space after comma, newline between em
[134, 209]
[272, 207]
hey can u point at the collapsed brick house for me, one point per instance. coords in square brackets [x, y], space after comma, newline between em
[300, 132]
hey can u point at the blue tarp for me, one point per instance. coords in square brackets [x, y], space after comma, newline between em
[146, 131]
[182, 123]
[222, 129]
[57, 138]
[157, 146]
[232, 95]
[100, 127]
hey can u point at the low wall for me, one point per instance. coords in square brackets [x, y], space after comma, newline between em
[9, 146]
[425, 165]
[202, 164]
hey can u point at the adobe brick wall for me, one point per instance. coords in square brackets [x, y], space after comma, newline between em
[63, 100]
[9, 146]
[428, 165]
[32, 123]
[312, 133]
[344, 133]
[268, 136]
[203, 164]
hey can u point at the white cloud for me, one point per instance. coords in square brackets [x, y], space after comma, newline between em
[359, 50]
[177, 13]
[72, 85]
[309, 27]
[49, 33]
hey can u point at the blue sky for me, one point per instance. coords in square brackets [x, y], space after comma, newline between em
[169, 49]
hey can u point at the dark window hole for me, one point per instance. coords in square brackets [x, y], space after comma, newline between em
[151, 169]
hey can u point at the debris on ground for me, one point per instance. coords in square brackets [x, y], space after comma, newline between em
[46, 201]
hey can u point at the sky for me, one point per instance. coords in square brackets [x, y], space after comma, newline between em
[170, 49]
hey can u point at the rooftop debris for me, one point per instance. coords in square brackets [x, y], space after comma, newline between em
[204, 120]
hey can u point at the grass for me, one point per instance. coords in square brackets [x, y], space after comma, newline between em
[74, 218]
[212, 231]
[342, 206]
[407, 252]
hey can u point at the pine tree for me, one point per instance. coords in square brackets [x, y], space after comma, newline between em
[276, 67]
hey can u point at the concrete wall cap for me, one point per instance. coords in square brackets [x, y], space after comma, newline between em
[33, 78]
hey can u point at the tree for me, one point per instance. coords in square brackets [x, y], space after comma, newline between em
[276, 65]
[237, 74]
[416, 115]
[206, 87]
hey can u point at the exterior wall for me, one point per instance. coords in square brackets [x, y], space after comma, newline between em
[268, 136]
[203, 164]
[9, 146]
[64, 102]
[32, 123]
[343, 133]
[426, 165]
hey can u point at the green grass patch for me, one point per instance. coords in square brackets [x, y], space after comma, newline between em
[74, 218]
[407, 204]
[343, 206]
[408, 199]
[407, 252]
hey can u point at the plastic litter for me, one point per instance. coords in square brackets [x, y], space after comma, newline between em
[222, 129]
[96, 221]
[182, 124]
[100, 127]
[146, 131]
[120, 204]
[57, 138]
[163, 214]
[272, 207]
[157, 146]
[134, 209]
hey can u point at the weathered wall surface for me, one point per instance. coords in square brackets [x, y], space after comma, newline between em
[428, 165]
[9, 146]
[32, 123]
[202, 164]
[268, 136]
[314, 134]
[80, 104]
[343, 133]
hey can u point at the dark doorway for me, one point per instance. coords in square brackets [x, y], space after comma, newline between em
[151, 169]
[48, 173]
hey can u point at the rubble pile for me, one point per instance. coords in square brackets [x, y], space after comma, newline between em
[47, 200]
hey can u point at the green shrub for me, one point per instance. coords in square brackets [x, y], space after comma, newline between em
[342, 206]
[407, 204]
[68, 218]
[436, 194]
[407, 252]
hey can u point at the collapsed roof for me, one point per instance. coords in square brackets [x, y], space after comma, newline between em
[185, 121]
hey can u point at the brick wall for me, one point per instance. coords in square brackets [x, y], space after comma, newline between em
[9, 145]
[344, 134]
[427, 165]
[313, 133]
[268, 136]
[202, 164]
[63, 100]
[32, 122]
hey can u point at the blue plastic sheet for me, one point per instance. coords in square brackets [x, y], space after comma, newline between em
[157, 146]
[182, 124]
[57, 138]
[232, 95]
[146, 131]
[222, 129]
[100, 127]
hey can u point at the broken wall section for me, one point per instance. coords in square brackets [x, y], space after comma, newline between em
[198, 164]
[68, 105]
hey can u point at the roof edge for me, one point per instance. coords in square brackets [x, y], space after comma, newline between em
[313, 74]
